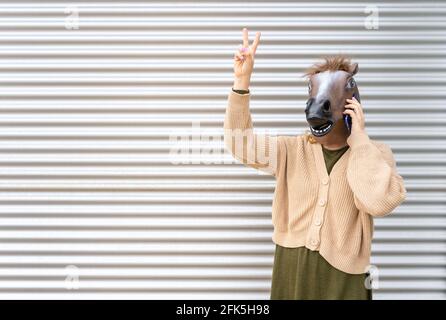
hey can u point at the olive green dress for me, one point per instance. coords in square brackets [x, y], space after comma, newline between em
[303, 274]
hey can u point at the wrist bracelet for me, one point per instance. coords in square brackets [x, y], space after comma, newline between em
[240, 91]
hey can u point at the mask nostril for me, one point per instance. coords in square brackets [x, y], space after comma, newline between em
[326, 106]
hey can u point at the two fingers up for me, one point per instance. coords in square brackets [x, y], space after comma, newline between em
[244, 56]
[246, 51]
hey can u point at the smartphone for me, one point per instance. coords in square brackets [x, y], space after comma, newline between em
[348, 118]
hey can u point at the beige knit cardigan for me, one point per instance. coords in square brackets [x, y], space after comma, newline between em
[332, 214]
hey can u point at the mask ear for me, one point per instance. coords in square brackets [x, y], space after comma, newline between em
[354, 68]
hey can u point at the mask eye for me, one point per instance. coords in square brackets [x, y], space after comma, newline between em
[351, 83]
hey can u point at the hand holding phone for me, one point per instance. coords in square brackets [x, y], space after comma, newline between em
[348, 118]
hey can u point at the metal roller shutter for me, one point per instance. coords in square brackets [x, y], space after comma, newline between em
[91, 205]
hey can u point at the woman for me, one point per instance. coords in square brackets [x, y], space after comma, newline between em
[330, 184]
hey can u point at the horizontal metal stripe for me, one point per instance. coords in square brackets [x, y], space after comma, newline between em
[190, 37]
[123, 133]
[192, 223]
[219, 23]
[358, 51]
[118, 146]
[196, 273]
[188, 210]
[198, 170]
[166, 197]
[203, 186]
[179, 285]
[75, 81]
[195, 259]
[205, 63]
[197, 234]
[68, 119]
[118, 248]
[286, 7]
[61, 159]
[204, 222]
[130, 92]
[211, 295]
[430, 7]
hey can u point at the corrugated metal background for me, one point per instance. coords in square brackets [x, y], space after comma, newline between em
[87, 184]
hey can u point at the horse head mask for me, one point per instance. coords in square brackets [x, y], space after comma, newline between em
[329, 85]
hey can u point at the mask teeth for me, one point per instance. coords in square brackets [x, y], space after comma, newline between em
[322, 130]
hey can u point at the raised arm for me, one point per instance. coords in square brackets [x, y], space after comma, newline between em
[259, 151]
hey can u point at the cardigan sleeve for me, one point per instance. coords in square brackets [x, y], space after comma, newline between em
[257, 150]
[372, 175]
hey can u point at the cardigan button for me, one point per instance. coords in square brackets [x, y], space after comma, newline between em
[325, 181]
[322, 202]
[314, 242]
[318, 222]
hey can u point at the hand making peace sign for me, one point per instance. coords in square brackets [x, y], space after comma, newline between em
[244, 61]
